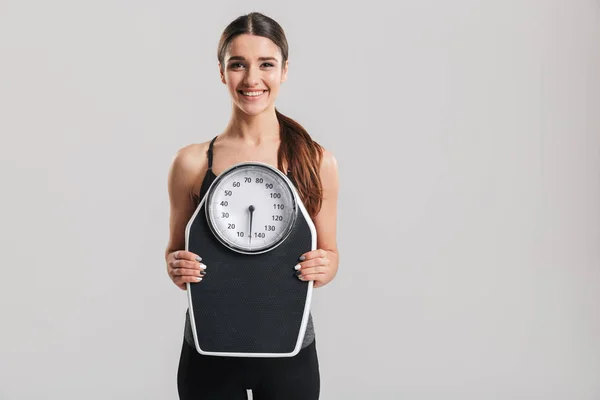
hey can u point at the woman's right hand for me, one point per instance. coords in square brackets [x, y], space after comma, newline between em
[185, 266]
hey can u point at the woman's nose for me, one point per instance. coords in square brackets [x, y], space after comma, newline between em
[252, 77]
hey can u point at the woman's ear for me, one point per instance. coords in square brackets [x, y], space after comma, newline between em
[222, 73]
[284, 72]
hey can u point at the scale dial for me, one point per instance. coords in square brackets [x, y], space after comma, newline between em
[251, 207]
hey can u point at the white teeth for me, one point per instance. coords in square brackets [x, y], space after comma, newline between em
[252, 93]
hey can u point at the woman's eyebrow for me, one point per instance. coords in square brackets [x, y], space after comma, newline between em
[240, 58]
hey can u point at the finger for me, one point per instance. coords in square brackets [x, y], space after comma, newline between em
[186, 255]
[311, 277]
[187, 279]
[318, 253]
[307, 256]
[312, 270]
[187, 264]
[188, 272]
[314, 262]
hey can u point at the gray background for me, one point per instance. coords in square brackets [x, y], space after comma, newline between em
[468, 138]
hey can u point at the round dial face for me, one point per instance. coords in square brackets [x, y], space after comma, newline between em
[251, 208]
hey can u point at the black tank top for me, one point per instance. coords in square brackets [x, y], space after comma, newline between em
[209, 177]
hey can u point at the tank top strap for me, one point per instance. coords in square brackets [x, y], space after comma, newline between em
[210, 152]
[290, 176]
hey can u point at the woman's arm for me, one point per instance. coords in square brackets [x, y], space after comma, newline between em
[189, 161]
[321, 265]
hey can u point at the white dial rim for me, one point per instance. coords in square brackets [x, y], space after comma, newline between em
[287, 184]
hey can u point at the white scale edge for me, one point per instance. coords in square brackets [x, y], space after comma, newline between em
[309, 289]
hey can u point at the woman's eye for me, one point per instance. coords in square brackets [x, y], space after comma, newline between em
[238, 65]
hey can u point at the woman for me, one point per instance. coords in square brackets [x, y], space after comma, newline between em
[253, 62]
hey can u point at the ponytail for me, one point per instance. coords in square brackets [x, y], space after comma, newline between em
[303, 157]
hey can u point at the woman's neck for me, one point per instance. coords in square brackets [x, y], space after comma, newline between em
[253, 129]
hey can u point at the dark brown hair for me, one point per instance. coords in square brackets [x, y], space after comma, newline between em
[297, 149]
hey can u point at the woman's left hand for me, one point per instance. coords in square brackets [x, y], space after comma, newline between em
[317, 266]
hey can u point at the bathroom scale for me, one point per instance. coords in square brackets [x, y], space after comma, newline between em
[250, 228]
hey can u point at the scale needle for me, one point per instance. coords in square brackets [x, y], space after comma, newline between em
[251, 209]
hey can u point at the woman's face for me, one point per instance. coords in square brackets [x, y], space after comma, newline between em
[253, 72]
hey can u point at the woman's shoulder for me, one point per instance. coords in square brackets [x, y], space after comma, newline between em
[193, 153]
[328, 161]
[191, 159]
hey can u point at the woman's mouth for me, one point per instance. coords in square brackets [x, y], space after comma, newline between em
[251, 95]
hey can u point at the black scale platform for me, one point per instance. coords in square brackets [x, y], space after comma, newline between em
[249, 305]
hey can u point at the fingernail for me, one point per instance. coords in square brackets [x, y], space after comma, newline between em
[198, 258]
[298, 273]
[198, 279]
[302, 258]
[202, 272]
[297, 267]
[301, 278]
[202, 266]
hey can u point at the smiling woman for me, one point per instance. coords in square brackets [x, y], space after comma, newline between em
[253, 80]
[253, 64]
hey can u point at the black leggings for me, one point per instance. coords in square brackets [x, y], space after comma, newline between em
[201, 377]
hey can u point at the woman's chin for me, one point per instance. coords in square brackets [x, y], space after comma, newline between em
[253, 110]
